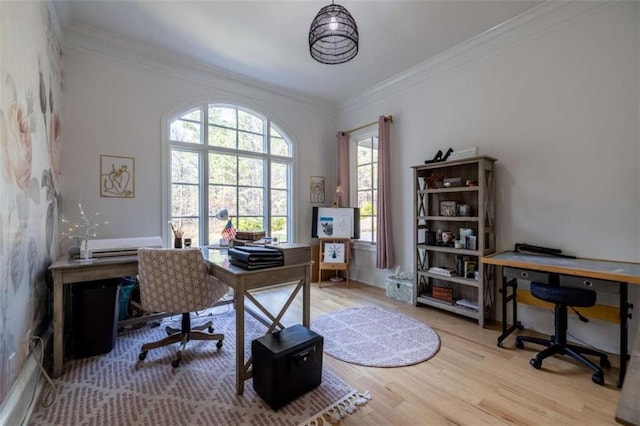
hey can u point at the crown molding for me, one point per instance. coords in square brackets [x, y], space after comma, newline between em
[537, 20]
[89, 39]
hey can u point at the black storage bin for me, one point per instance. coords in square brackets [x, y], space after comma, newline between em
[286, 364]
[94, 317]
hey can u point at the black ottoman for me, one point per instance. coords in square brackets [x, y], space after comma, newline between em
[286, 364]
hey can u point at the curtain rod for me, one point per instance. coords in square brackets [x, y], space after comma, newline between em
[389, 117]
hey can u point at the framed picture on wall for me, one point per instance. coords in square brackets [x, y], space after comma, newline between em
[317, 189]
[117, 176]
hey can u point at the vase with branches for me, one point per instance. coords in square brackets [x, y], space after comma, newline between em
[82, 229]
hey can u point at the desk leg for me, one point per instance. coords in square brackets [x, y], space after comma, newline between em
[624, 332]
[58, 324]
[506, 298]
[306, 297]
[240, 376]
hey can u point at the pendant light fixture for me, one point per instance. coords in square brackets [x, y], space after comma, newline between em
[333, 36]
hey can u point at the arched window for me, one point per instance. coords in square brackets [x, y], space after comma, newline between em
[226, 156]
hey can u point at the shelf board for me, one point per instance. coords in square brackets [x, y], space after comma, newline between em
[426, 300]
[451, 218]
[450, 250]
[454, 279]
[452, 189]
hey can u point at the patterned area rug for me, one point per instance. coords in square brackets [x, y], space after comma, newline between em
[376, 337]
[115, 389]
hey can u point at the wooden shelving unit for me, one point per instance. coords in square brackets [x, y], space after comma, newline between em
[335, 254]
[477, 192]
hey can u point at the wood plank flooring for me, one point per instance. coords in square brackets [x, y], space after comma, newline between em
[470, 381]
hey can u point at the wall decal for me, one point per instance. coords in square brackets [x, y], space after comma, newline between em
[117, 176]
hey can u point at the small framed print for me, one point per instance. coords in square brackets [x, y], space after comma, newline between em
[334, 252]
[317, 189]
[447, 208]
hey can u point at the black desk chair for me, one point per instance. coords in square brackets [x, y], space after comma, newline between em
[564, 297]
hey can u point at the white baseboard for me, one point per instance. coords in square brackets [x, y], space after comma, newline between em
[19, 403]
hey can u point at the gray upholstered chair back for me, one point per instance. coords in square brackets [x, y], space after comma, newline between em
[176, 280]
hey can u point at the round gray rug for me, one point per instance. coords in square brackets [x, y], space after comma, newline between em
[376, 337]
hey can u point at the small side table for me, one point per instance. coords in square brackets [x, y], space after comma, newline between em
[400, 289]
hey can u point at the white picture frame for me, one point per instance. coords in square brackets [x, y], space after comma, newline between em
[334, 253]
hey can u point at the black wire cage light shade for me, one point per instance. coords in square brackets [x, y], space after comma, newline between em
[333, 36]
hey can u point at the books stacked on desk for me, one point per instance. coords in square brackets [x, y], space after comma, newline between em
[252, 257]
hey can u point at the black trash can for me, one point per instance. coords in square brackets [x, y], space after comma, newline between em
[94, 310]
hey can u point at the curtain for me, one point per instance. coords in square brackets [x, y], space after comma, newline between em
[341, 195]
[385, 257]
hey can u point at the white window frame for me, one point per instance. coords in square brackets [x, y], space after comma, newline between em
[353, 179]
[203, 149]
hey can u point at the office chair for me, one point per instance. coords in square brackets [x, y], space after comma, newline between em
[178, 281]
[563, 297]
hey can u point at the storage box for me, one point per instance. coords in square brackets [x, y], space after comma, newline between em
[442, 293]
[249, 235]
[286, 364]
[293, 253]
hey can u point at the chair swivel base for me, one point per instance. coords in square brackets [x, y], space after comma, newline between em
[574, 351]
[183, 335]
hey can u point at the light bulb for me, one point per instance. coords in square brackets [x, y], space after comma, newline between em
[333, 23]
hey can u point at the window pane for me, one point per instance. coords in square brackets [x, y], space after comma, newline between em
[184, 166]
[251, 171]
[184, 200]
[278, 203]
[364, 177]
[278, 176]
[250, 122]
[184, 131]
[222, 197]
[223, 169]
[279, 229]
[219, 136]
[279, 147]
[222, 116]
[250, 142]
[363, 155]
[190, 227]
[250, 224]
[250, 201]
[365, 202]
[215, 230]
[374, 183]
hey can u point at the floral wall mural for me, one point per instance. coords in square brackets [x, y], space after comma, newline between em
[30, 91]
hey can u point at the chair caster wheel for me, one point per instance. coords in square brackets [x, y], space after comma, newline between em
[175, 363]
[519, 344]
[598, 379]
[219, 344]
[142, 356]
[604, 363]
[536, 363]
[210, 330]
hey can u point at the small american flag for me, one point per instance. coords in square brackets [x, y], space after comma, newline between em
[229, 231]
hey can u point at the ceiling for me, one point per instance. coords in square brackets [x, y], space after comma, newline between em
[267, 41]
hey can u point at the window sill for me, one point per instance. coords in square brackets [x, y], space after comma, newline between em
[364, 246]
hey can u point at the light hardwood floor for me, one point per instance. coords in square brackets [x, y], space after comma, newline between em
[470, 381]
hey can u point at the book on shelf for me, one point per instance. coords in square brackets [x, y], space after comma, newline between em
[442, 270]
[466, 303]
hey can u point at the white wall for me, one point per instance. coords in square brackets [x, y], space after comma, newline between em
[555, 100]
[114, 103]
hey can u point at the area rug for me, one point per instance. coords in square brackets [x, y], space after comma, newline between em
[376, 337]
[115, 389]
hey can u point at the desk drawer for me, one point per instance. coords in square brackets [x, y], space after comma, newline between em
[600, 286]
[526, 274]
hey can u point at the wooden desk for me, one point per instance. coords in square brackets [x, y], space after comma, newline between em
[242, 281]
[618, 273]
